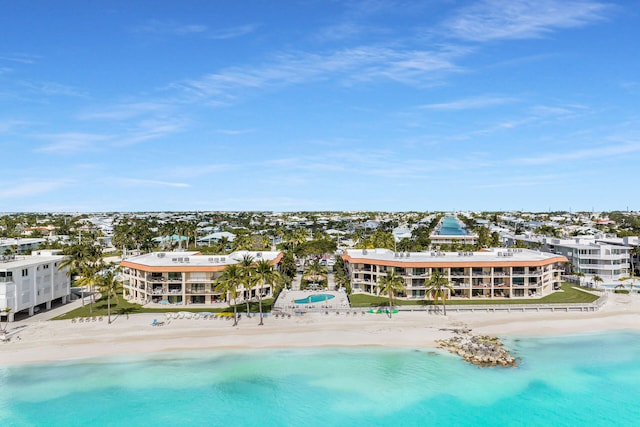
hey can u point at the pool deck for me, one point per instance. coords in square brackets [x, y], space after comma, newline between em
[285, 301]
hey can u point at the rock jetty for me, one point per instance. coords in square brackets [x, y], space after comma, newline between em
[479, 350]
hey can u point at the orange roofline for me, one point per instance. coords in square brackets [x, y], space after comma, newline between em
[437, 264]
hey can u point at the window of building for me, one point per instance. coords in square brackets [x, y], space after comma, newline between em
[25, 272]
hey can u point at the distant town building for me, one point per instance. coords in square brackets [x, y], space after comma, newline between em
[19, 246]
[216, 237]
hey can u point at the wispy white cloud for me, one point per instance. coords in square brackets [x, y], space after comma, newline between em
[171, 28]
[519, 181]
[126, 111]
[54, 89]
[195, 171]
[177, 29]
[72, 142]
[9, 125]
[365, 63]
[519, 19]
[31, 188]
[135, 182]
[546, 110]
[231, 32]
[235, 131]
[23, 58]
[150, 129]
[341, 31]
[470, 103]
[616, 149]
[77, 142]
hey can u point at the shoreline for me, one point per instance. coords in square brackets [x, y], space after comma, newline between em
[62, 340]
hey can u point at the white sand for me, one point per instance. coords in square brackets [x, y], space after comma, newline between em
[64, 340]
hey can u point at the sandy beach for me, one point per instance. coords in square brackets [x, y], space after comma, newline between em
[41, 341]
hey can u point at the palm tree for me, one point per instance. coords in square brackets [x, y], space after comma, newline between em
[243, 241]
[316, 270]
[264, 272]
[342, 280]
[248, 281]
[90, 278]
[580, 275]
[228, 284]
[390, 284]
[404, 245]
[437, 286]
[300, 236]
[223, 242]
[597, 279]
[85, 260]
[109, 284]
[74, 261]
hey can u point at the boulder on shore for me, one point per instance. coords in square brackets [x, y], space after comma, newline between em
[478, 350]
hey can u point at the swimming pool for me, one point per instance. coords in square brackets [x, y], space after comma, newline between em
[625, 286]
[314, 298]
[451, 226]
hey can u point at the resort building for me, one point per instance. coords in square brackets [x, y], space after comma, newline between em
[492, 273]
[31, 282]
[185, 278]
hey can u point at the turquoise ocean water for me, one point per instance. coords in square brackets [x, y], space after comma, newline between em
[578, 380]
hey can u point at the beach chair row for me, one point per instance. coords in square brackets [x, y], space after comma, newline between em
[87, 319]
[282, 315]
[347, 313]
[199, 316]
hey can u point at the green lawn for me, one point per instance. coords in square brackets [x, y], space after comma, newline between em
[100, 309]
[570, 295]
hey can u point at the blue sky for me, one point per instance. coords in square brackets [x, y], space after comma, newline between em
[319, 105]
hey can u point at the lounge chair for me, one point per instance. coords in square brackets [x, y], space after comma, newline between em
[155, 322]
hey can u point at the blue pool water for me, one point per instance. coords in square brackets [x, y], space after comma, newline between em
[562, 381]
[314, 298]
[450, 226]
